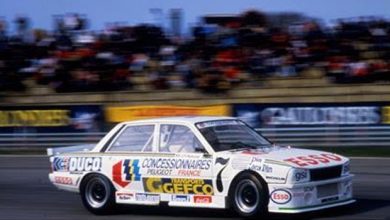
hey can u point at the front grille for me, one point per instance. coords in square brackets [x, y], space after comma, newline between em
[325, 173]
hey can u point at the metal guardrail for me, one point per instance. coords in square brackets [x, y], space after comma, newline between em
[46, 140]
[294, 136]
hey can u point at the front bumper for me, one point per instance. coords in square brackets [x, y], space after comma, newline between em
[311, 196]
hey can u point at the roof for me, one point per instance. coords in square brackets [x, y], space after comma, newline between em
[185, 119]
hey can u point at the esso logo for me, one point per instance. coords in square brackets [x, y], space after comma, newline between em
[303, 161]
[280, 196]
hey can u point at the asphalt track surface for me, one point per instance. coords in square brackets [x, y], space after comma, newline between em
[26, 193]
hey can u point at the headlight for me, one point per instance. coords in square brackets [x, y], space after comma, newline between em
[345, 169]
[299, 175]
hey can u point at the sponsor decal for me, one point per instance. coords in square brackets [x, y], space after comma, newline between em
[63, 180]
[125, 171]
[321, 115]
[266, 168]
[386, 114]
[203, 199]
[256, 160]
[280, 196]
[144, 197]
[300, 176]
[331, 199]
[255, 164]
[188, 172]
[219, 180]
[277, 178]
[258, 115]
[124, 196]
[221, 160]
[77, 164]
[159, 172]
[184, 167]
[176, 163]
[255, 167]
[313, 159]
[180, 198]
[186, 155]
[178, 186]
[61, 164]
[35, 118]
[129, 113]
[80, 164]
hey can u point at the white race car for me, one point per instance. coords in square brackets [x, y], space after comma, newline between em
[208, 162]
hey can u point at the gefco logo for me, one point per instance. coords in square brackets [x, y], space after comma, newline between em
[313, 159]
[126, 171]
[280, 196]
[178, 186]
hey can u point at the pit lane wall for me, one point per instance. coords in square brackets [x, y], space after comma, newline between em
[302, 125]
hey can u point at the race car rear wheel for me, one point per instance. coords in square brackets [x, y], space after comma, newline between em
[97, 194]
[248, 196]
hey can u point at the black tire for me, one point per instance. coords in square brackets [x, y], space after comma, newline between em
[248, 196]
[98, 194]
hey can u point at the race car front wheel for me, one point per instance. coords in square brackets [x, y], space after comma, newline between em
[97, 194]
[248, 196]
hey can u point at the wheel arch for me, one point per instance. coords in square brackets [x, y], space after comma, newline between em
[85, 177]
[238, 176]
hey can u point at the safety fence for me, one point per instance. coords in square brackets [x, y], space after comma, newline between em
[45, 140]
[359, 136]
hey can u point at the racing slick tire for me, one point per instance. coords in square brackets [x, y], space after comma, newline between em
[248, 196]
[98, 194]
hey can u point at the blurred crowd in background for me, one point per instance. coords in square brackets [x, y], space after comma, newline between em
[218, 54]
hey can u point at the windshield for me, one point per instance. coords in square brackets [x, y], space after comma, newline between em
[231, 135]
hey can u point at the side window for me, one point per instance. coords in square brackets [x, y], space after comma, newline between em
[134, 138]
[179, 138]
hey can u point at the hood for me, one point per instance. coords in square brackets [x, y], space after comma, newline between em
[294, 157]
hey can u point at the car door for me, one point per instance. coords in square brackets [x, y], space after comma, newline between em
[183, 167]
[126, 154]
